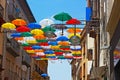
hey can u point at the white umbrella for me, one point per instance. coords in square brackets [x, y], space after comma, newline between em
[46, 22]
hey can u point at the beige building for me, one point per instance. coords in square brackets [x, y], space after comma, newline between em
[15, 63]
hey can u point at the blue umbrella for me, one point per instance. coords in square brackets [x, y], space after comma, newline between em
[44, 75]
[62, 38]
[16, 35]
[49, 52]
[52, 43]
[36, 47]
[34, 26]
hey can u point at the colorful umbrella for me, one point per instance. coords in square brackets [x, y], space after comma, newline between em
[62, 38]
[75, 40]
[19, 22]
[34, 26]
[46, 22]
[44, 75]
[16, 35]
[36, 31]
[22, 29]
[39, 36]
[48, 28]
[26, 34]
[73, 21]
[50, 34]
[72, 34]
[59, 26]
[36, 47]
[62, 16]
[8, 26]
[49, 52]
[71, 30]
[52, 43]
[65, 43]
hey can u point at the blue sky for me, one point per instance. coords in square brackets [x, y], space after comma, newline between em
[42, 9]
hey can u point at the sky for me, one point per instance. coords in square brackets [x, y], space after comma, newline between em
[42, 9]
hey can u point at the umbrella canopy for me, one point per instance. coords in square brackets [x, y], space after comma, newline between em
[46, 22]
[73, 21]
[39, 36]
[34, 26]
[62, 38]
[71, 30]
[75, 40]
[65, 43]
[44, 75]
[72, 34]
[50, 34]
[26, 34]
[36, 31]
[36, 47]
[8, 26]
[48, 28]
[62, 16]
[49, 52]
[52, 43]
[59, 26]
[22, 29]
[19, 22]
[16, 35]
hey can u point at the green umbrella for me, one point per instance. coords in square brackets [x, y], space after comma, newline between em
[48, 28]
[26, 34]
[62, 16]
[25, 44]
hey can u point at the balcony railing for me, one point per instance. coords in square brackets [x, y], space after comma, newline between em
[13, 47]
[26, 59]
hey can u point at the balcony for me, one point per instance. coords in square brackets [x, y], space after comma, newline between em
[38, 70]
[13, 12]
[13, 47]
[26, 59]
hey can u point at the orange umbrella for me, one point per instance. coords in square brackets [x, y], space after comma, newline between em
[65, 43]
[19, 22]
[19, 38]
[71, 30]
[39, 36]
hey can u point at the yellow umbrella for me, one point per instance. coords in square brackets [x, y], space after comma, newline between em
[76, 52]
[8, 26]
[30, 51]
[72, 34]
[37, 31]
[50, 54]
[31, 41]
[56, 47]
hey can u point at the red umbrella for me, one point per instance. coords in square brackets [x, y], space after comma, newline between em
[23, 29]
[73, 21]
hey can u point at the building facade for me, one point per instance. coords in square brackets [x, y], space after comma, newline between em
[15, 63]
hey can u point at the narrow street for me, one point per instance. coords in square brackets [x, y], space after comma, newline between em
[59, 40]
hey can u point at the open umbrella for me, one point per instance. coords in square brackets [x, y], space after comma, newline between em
[19, 22]
[36, 47]
[62, 38]
[22, 29]
[36, 31]
[34, 26]
[74, 22]
[8, 26]
[62, 17]
[39, 36]
[59, 26]
[26, 34]
[48, 28]
[15, 35]
[71, 30]
[46, 22]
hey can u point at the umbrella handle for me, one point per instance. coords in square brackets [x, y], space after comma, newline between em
[75, 30]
